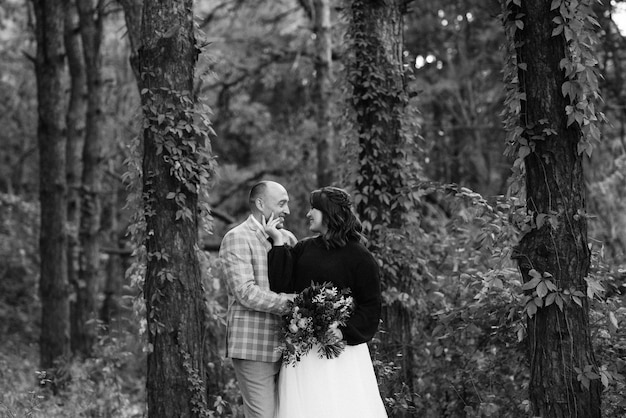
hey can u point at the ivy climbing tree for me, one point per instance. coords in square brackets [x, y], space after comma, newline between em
[552, 123]
[176, 170]
[383, 197]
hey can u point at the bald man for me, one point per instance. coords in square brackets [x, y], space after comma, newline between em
[253, 309]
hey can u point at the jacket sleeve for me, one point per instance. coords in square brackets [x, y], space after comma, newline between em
[237, 256]
[364, 321]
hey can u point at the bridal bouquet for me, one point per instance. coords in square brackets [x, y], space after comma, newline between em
[312, 315]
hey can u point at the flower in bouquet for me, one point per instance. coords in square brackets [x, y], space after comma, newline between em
[310, 321]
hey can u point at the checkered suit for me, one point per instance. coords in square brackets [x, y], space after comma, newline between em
[253, 309]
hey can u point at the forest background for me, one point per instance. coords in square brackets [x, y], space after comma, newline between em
[464, 351]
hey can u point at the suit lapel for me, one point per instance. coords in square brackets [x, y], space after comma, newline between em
[259, 233]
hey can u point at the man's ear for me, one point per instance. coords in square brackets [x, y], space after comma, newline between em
[258, 202]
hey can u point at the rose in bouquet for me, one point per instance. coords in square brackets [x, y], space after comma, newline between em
[309, 322]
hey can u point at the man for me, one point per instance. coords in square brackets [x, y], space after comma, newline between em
[253, 310]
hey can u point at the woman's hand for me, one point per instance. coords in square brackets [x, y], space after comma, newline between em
[271, 228]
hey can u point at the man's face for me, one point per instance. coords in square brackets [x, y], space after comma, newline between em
[276, 201]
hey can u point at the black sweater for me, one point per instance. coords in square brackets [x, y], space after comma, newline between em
[353, 266]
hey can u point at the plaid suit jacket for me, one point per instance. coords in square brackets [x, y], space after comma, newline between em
[253, 309]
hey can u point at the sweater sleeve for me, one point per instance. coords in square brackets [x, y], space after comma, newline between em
[365, 319]
[280, 265]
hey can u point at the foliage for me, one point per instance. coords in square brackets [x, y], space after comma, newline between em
[455, 50]
[19, 252]
[467, 297]
[108, 384]
[574, 22]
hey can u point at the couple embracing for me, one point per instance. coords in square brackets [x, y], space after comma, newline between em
[265, 267]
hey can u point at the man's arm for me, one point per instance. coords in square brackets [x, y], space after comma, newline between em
[237, 257]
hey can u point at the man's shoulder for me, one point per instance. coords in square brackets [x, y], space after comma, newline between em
[237, 235]
[241, 228]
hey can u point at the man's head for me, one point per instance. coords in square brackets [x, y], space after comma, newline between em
[267, 198]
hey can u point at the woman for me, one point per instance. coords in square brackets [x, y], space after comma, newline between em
[344, 386]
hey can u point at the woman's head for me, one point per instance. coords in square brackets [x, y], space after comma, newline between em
[338, 223]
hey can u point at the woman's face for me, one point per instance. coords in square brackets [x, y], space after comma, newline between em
[316, 223]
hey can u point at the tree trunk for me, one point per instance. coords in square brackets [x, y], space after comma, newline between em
[77, 108]
[322, 97]
[114, 277]
[53, 286]
[559, 340]
[132, 16]
[379, 101]
[91, 13]
[173, 290]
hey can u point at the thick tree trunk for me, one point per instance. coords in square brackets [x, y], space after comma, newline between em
[53, 286]
[379, 100]
[173, 289]
[322, 97]
[559, 341]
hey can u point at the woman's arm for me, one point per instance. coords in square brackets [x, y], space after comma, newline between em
[280, 263]
[364, 321]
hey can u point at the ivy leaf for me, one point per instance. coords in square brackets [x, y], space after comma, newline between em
[523, 152]
[531, 309]
[605, 380]
[531, 284]
[556, 31]
[542, 289]
[559, 302]
[551, 286]
[541, 219]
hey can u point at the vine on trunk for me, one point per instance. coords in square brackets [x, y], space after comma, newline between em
[573, 21]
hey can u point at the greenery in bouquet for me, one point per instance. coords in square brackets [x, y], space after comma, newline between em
[310, 321]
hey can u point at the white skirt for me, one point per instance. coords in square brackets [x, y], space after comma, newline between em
[342, 387]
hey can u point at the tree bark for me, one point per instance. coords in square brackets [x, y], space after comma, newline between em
[132, 15]
[114, 277]
[322, 97]
[558, 340]
[173, 290]
[91, 13]
[53, 286]
[77, 108]
[379, 102]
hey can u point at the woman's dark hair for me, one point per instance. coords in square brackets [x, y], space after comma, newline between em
[336, 208]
